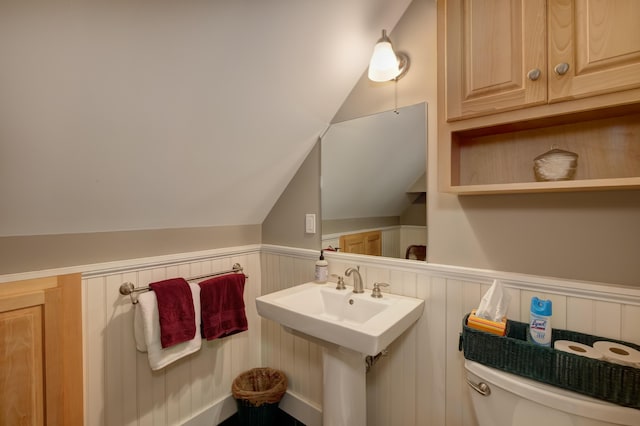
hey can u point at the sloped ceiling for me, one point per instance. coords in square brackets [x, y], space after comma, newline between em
[147, 114]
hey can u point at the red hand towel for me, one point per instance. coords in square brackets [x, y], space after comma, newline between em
[222, 306]
[176, 311]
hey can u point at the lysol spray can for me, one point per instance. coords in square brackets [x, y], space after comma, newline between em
[540, 322]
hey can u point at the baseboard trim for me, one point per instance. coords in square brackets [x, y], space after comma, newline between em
[220, 411]
[301, 409]
[292, 404]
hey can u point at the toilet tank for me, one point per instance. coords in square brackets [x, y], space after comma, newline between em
[517, 401]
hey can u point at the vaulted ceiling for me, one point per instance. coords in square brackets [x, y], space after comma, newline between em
[145, 114]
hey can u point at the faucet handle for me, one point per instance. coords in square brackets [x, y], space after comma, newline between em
[376, 290]
[340, 283]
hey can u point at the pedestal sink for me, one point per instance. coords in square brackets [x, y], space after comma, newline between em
[349, 327]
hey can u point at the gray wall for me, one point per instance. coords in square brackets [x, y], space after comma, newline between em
[416, 213]
[39, 252]
[591, 236]
[285, 224]
[354, 224]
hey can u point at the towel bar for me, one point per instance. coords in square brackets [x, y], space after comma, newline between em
[129, 289]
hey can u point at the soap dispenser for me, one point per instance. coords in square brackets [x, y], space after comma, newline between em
[322, 269]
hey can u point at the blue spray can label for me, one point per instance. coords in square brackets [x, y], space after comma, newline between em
[540, 322]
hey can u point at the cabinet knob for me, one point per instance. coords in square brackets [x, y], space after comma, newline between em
[561, 68]
[534, 74]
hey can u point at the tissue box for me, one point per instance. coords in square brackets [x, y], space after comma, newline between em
[499, 328]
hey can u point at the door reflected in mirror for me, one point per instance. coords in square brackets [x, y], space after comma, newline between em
[373, 184]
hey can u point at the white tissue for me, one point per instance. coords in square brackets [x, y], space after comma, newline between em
[494, 303]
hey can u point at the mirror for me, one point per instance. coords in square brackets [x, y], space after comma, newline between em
[373, 184]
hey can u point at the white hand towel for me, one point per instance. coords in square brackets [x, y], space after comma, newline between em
[150, 319]
[138, 327]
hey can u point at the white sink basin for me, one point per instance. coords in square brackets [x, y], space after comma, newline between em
[355, 321]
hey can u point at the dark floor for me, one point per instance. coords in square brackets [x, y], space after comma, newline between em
[282, 419]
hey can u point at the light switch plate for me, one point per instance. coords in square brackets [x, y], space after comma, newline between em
[310, 223]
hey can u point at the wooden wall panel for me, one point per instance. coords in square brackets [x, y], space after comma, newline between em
[41, 351]
[21, 376]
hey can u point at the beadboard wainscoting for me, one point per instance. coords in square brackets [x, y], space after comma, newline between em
[421, 381]
[121, 389]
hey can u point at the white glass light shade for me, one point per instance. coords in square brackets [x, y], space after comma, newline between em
[384, 64]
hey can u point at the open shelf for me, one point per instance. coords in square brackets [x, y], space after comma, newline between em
[500, 158]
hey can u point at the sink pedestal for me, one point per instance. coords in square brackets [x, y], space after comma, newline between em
[347, 325]
[344, 399]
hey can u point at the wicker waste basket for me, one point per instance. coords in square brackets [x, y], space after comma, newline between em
[258, 393]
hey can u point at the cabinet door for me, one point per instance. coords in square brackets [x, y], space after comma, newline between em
[362, 243]
[599, 40]
[373, 243]
[21, 349]
[41, 352]
[493, 48]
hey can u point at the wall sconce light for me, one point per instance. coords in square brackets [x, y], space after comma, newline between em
[385, 64]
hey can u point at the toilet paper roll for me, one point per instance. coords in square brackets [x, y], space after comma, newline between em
[578, 349]
[618, 353]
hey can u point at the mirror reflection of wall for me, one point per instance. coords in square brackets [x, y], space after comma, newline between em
[373, 184]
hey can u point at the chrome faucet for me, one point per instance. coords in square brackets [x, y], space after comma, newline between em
[357, 279]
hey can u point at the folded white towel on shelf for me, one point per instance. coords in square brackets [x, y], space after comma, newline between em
[146, 328]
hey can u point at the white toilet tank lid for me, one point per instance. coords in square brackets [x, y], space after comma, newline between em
[555, 397]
